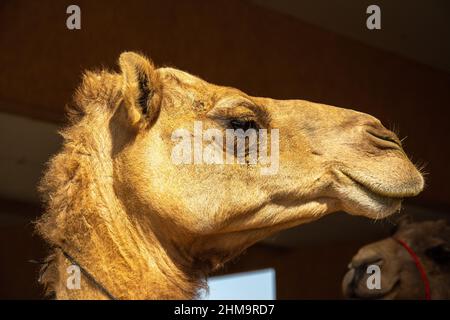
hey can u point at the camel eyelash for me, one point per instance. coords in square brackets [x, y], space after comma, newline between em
[237, 122]
[241, 116]
[243, 123]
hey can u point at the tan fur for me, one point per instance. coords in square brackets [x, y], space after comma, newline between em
[149, 229]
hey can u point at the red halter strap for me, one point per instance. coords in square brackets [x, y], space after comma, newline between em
[419, 266]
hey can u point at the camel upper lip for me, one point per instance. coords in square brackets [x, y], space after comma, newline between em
[374, 189]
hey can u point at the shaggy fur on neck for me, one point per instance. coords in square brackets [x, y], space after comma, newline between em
[85, 218]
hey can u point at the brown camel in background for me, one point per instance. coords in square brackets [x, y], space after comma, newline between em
[145, 227]
[401, 277]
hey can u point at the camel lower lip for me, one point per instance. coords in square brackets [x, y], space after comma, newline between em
[371, 203]
[381, 295]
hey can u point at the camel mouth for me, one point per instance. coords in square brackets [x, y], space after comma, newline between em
[370, 200]
[376, 294]
[369, 188]
[399, 180]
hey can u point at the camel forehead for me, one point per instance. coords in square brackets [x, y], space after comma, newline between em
[182, 76]
[207, 95]
[188, 81]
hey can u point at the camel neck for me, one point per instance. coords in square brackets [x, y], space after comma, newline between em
[114, 242]
[121, 265]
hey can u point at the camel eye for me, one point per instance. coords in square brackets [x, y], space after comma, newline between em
[243, 124]
[440, 253]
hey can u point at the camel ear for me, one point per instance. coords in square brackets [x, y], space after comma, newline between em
[140, 87]
[401, 222]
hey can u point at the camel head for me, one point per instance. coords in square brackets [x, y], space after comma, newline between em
[400, 276]
[329, 159]
[151, 142]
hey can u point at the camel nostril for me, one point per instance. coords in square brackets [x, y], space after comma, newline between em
[359, 270]
[385, 139]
